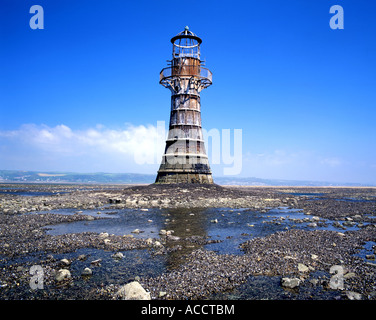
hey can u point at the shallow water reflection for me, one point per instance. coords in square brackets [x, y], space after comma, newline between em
[218, 229]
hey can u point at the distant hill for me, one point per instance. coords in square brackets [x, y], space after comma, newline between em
[135, 178]
[74, 177]
[275, 182]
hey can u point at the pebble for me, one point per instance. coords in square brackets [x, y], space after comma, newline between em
[157, 244]
[349, 275]
[86, 272]
[290, 282]
[351, 295]
[82, 257]
[173, 238]
[302, 267]
[118, 255]
[65, 262]
[96, 262]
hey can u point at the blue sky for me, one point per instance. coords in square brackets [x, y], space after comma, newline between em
[83, 94]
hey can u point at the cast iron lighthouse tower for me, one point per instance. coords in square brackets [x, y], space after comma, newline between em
[184, 159]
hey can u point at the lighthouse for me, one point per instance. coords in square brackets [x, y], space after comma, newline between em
[184, 159]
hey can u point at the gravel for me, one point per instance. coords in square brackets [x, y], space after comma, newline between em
[202, 273]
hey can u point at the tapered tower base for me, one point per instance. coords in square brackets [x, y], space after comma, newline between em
[175, 177]
[184, 169]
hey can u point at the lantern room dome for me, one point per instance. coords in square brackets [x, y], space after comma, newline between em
[186, 34]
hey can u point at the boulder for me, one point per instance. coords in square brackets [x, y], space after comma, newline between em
[133, 291]
[62, 274]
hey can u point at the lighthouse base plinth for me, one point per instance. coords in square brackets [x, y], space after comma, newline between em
[181, 177]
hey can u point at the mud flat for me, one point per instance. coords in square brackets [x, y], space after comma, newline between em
[339, 233]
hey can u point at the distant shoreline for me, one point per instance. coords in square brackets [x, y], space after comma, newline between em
[145, 184]
[59, 177]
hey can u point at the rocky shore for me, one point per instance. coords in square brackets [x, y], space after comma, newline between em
[293, 255]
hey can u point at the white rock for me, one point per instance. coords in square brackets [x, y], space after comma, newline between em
[63, 274]
[96, 262]
[86, 272]
[103, 235]
[157, 244]
[302, 267]
[65, 262]
[349, 275]
[133, 291]
[353, 295]
[290, 282]
[118, 255]
[173, 238]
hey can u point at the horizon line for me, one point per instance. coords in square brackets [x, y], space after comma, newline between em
[58, 174]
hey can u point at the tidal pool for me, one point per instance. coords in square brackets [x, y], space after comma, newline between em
[226, 228]
[218, 229]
